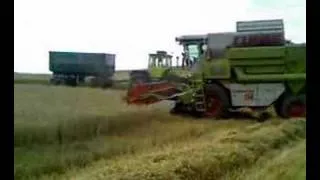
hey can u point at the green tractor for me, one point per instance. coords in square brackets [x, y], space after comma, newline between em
[161, 65]
[253, 68]
[158, 63]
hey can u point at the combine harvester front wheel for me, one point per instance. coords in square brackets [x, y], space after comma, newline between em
[217, 101]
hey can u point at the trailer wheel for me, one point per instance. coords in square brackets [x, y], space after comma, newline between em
[292, 106]
[217, 101]
[72, 82]
[107, 83]
[54, 81]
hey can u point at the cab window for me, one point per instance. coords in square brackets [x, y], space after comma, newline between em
[193, 51]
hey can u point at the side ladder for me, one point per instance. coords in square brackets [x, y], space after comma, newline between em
[200, 105]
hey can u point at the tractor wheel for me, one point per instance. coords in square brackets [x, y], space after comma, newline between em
[217, 101]
[291, 106]
[177, 109]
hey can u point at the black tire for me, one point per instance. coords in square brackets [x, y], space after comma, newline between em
[177, 109]
[284, 108]
[81, 79]
[278, 105]
[107, 83]
[214, 91]
[72, 82]
[54, 81]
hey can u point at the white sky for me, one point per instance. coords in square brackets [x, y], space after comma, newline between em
[132, 29]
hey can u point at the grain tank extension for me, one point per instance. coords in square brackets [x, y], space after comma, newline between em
[71, 68]
[253, 68]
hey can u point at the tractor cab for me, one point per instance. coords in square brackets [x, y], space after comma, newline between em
[159, 62]
[161, 59]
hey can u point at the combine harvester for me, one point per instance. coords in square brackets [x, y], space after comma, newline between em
[253, 68]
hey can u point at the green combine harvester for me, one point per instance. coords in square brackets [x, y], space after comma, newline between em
[253, 68]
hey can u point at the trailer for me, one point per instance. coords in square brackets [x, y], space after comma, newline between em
[72, 68]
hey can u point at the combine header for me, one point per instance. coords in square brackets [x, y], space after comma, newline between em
[252, 68]
[149, 93]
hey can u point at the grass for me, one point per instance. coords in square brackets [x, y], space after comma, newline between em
[86, 133]
[120, 77]
[285, 163]
[209, 157]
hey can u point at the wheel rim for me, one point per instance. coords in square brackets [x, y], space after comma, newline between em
[214, 106]
[297, 110]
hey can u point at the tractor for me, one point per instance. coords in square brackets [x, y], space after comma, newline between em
[253, 68]
[158, 63]
[161, 66]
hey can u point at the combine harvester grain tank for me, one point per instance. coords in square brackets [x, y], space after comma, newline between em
[252, 68]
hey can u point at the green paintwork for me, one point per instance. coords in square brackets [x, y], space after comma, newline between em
[243, 77]
[256, 52]
[156, 72]
[216, 68]
[182, 72]
[159, 63]
[159, 72]
[278, 64]
[296, 63]
[187, 97]
[244, 65]
[283, 64]
[266, 70]
[257, 62]
[275, 64]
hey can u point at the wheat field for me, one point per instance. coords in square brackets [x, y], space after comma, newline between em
[86, 133]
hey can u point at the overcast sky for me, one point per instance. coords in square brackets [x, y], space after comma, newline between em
[132, 29]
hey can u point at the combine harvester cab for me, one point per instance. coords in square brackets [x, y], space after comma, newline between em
[253, 68]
